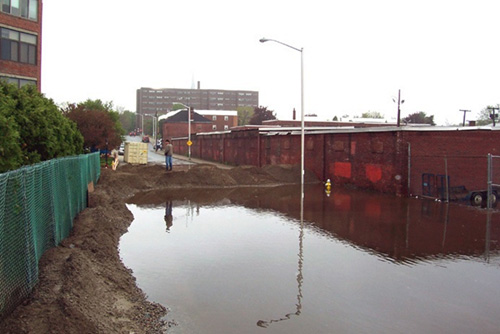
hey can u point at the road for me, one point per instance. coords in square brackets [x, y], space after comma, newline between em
[156, 157]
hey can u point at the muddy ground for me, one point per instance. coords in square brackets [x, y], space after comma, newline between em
[83, 285]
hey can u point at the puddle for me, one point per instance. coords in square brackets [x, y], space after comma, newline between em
[242, 261]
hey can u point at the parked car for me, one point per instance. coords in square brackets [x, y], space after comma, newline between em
[145, 139]
[121, 150]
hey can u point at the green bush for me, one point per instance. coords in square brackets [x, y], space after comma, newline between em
[11, 156]
[36, 126]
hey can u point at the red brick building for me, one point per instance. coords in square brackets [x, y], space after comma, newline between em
[176, 124]
[221, 119]
[21, 42]
[402, 161]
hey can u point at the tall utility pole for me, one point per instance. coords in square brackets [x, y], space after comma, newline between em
[399, 106]
[493, 116]
[464, 111]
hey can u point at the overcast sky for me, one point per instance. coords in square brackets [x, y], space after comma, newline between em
[444, 55]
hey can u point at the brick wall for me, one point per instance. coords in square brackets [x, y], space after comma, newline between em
[30, 26]
[390, 161]
[460, 155]
[173, 130]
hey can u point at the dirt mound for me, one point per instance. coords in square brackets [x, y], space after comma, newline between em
[83, 285]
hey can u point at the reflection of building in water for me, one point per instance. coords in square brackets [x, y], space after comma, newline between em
[168, 215]
[405, 229]
[402, 229]
[398, 228]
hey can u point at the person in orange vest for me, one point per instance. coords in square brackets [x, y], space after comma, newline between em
[115, 162]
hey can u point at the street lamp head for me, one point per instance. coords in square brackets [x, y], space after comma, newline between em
[262, 40]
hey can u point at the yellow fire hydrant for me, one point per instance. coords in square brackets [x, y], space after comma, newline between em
[328, 187]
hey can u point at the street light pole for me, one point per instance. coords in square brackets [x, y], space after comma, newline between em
[142, 123]
[189, 132]
[262, 323]
[155, 129]
[302, 137]
[189, 143]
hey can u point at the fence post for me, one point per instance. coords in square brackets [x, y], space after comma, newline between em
[446, 179]
[488, 197]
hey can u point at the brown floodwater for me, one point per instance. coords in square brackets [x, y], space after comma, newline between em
[247, 260]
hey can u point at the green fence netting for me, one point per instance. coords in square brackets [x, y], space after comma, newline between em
[37, 206]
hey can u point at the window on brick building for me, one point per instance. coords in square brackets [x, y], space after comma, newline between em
[22, 8]
[18, 46]
[18, 82]
[33, 9]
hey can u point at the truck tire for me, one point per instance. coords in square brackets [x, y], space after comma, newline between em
[476, 199]
[493, 199]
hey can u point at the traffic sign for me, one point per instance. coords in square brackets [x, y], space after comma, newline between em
[189, 143]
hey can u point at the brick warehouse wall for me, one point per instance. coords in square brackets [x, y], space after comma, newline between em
[460, 155]
[370, 159]
[30, 26]
[180, 129]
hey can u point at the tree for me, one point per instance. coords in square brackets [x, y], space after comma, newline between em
[485, 115]
[98, 124]
[11, 156]
[371, 114]
[244, 115]
[261, 114]
[419, 117]
[128, 121]
[107, 107]
[35, 125]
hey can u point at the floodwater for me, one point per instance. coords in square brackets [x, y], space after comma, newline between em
[249, 261]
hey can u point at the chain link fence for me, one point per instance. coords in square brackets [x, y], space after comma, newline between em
[493, 179]
[466, 178]
[37, 206]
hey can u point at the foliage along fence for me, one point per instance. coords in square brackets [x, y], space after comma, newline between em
[37, 206]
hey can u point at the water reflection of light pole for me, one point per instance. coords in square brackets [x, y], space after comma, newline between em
[301, 50]
[300, 278]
